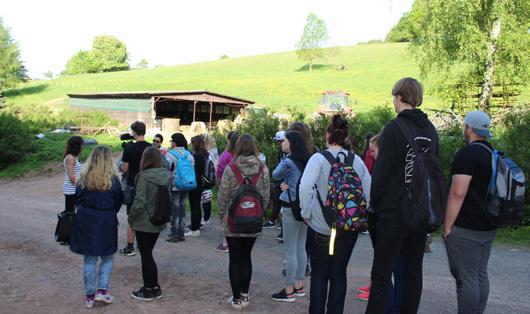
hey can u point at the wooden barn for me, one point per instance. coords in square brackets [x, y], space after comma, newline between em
[153, 107]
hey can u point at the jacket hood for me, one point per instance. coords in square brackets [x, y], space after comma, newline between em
[248, 165]
[158, 176]
[417, 116]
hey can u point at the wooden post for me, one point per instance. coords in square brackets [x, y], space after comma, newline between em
[211, 110]
[194, 104]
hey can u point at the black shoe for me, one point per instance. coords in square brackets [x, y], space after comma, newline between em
[282, 296]
[144, 294]
[280, 237]
[172, 239]
[128, 251]
[268, 224]
[157, 292]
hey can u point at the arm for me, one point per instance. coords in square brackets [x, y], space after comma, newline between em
[125, 159]
[266, 192]
[280, 171]
[385, 165]
[223, 197]
[307, 185]
[117, 193]
[457, 194]
[140, 201]
[70, 164]
[364, 175]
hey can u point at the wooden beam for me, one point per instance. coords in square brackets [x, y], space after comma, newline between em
[194, 105]
[211, 110]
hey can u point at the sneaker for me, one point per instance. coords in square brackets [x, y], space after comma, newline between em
[279, 227]
[181, 237]
[282, 296]
[173, 239]
[193, 234]
[364, 289]
[268, 225]
[236, 303]
[128, 251]
[245, 300]
[104, 296]
[279, 237]
[205, 222]
[365, 232]
[364, 296]
[299, 292]
[89, 301]
[143, 294]
[157, 292]
[222, 248]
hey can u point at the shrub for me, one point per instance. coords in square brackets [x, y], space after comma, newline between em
[15, 141]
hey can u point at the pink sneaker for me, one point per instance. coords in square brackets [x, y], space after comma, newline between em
[364, 289]
[364, 296]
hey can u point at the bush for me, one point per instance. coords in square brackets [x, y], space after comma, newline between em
[15, 141]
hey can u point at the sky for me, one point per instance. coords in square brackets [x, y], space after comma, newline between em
[179, 32]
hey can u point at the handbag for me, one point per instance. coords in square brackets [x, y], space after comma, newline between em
[65, 226]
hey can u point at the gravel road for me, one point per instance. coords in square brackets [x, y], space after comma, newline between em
[40, 276]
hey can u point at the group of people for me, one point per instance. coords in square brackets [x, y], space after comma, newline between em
[302, 177]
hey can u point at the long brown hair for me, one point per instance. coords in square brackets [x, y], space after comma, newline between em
[246, 146]
[151, 158]
[198, 145]
[73, 146]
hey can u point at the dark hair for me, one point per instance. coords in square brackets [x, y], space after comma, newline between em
[138, 127]
[160, 137]
[197, 145]
[73, 146]
[337, 131]
[306, 134]
[180, 140]
[151, 158]
[297, 146]
[246, 146]
[232, 138]
[375, 139]
[410, 90]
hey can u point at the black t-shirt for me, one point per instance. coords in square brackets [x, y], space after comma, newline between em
[475, 161]
[132, 154]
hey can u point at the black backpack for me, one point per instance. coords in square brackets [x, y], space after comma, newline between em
[162, 212]
[295, 203]
[423, 205]
[208, 176]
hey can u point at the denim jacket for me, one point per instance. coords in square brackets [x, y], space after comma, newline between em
[288, 172]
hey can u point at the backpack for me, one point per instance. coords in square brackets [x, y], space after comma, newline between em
[184, 178]
[245, 214]
[162, 212]
[505, 195]
[423, 204]
[65, 227]
[295, 203]
[345, 207]
[208, 176]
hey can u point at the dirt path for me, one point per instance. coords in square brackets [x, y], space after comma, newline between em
[40, 276]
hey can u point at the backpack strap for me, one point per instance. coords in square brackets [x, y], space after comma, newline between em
[239, 177]
[405, 130]
[255, 178]
[483, 145]
[329, 156]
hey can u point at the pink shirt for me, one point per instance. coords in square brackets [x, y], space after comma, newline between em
[224, 160]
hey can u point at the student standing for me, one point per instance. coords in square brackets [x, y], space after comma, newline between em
[289, 171]
[95, 236]
[390, 179]
[468, 233]
[150, 177]
[239, 244]
[200, 154]
[328, 270]
[72, 170]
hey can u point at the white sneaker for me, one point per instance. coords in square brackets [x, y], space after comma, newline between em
[193, 234]
[245, 300]
[104, 297]
[236, 304]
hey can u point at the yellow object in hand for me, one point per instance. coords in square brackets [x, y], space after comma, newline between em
[332, 240]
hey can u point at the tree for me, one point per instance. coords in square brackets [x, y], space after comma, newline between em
[310, 45]
[12, 70]
[473, 45]
[48, 74]
[402, 31]
[108, 54]
[142, 64]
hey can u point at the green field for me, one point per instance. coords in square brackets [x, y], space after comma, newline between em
[277, 81]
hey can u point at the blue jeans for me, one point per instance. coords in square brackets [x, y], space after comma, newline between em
[178, 213]
[89, 273]
[294, 238]
[329, 269]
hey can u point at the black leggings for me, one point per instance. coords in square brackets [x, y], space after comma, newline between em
[146, 242]
[195, 208]
[69, 203]
[240, 265]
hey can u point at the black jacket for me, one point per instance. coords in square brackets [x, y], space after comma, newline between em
[393, 167]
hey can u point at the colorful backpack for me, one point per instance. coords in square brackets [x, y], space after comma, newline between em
[245, 214]
[184, 178]
[345, 207]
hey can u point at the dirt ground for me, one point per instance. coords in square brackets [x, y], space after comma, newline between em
[41, 276]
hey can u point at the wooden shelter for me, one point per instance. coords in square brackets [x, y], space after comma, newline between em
[153, 107]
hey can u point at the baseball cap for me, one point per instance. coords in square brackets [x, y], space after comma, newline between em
[280, 136]
[480, 122]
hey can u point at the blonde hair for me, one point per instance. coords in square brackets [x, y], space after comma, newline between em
[209, 141]
[98, 170]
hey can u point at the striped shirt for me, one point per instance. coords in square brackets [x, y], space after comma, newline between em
[68, 185]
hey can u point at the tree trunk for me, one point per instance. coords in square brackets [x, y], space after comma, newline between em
[310, 66]
[487, 83]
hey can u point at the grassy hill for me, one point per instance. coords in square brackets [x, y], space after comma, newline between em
[277, 81]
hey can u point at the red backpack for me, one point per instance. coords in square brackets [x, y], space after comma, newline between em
[245, 214]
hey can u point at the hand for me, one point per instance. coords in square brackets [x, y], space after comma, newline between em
[447, 232]
[284, 186]
[306, 221]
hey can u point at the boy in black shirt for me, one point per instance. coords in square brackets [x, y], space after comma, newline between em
[467, 231]
[132, 155]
